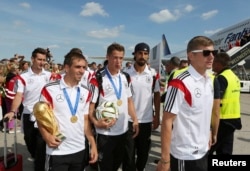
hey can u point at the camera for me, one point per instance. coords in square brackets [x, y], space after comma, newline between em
[48, 56]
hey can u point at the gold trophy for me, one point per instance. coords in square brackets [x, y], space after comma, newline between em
[45, 116]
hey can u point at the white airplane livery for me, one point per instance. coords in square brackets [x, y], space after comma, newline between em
[225, 39]
[231, 35]
[161, 52]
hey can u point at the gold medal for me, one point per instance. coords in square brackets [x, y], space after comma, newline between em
[73, 119]
[119, 102]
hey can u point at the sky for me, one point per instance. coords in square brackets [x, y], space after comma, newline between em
[93, 25]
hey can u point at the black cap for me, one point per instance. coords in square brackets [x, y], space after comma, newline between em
[141, 47]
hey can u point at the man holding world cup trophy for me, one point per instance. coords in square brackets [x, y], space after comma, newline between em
[65, 106]
[45, 116]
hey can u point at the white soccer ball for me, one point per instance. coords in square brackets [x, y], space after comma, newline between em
[107, 110]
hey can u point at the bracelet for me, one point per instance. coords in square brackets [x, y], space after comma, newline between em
[164, 161]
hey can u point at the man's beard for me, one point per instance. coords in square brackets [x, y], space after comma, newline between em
[141, 62]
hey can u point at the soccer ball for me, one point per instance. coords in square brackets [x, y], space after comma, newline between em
[107, 110]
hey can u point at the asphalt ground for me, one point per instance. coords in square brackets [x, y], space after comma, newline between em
[241, 141]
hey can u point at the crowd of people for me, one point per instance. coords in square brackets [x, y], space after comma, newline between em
[72, 92]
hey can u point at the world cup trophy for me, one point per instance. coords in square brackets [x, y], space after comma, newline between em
[45, 116]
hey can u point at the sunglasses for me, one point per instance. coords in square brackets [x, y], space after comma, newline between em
[206, 53]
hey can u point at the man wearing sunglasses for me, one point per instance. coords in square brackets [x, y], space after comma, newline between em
[185, 131]
[206, 53]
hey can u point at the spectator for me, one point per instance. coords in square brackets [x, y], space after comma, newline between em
[60, 67]
[248, 37]
[99, 66]
[105, 63]
[23, 66]
[55, 68]
[2, 92]
[243, 40]
[221, 49]
[55, 73]
[230, 46]
[47, 66]
[128, 65]
[153, 71]
[237, 42]
[171, 66]
[183, 64]
[93, 66]
[4, 61]
[12, 61]
[19, 58]
[10, 94]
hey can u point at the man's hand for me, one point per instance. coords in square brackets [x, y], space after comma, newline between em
[212, 139]
[105, 123]
[52, 141]
[135, 129]
[163, 166]
[10, 115]
[156, 123]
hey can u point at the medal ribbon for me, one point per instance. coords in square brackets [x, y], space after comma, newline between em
[117, 93]
[73, 110]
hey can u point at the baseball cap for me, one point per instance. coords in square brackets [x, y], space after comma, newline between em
[141, 47]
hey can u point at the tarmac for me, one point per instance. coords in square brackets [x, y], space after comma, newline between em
[241, 141]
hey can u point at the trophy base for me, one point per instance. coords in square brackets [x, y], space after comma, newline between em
[61, 136]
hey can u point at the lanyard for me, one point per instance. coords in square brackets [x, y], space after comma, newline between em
[73, 110]
[117, 93]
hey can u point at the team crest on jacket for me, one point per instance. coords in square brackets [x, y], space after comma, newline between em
[108, 88]
[81, 99]
[148, 79]
[125, 83]
[59, 98]
[197, 92]
[30, 81]
[84, 78]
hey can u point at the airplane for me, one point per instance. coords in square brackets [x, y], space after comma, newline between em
[161, 53]
[103, 58]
